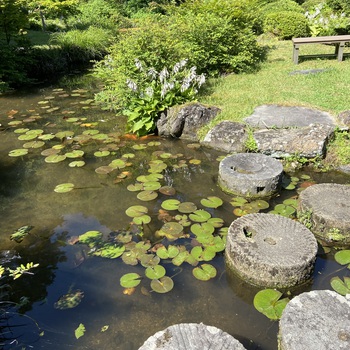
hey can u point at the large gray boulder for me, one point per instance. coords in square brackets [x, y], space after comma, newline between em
[227, 136]
[185, 121]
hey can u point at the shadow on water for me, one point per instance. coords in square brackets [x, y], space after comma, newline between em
[112, 319]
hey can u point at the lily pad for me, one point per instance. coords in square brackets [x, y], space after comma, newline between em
[109, 250]
[50, 152]
[259, 204]
[90, 237]
[46, 137]
[55, 158]
[162, 285]
[135, 187]
[155, 272]
[136, 210]
[341, 287]
[238, 201]
[172, 230]
[268, 302]
[180, 258]
[151, 186]
[212, 202]
[104, 170]
[102, 153]
[130, 280]
[216, 222]
[343, 257]
[76, 164]
[284, 210]
[27, 137]
[204, 272]
[63, 188]
[202, 229]
[20, 233]
[170, 204]
[139, 147]
[70, 300]
[64, 134]
[117, 164]
[187, 207]
[34, 144]
[143, 219]
[147, 195]
[18, 152]
[200, 216]
[21, 130]
[168, 253]
[148, 260]
[167, 190]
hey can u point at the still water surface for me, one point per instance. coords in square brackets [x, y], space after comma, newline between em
[99, 202]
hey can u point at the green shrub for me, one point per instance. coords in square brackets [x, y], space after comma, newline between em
[286, 24]
[281, 5]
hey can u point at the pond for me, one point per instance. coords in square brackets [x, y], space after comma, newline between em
[75, 284]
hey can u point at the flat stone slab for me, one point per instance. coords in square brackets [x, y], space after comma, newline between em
[274, 116]
[191, 336]
[317, 320]
[325, 208]
[309, 141]
[250, 175]
[226, 136]
[270, 250]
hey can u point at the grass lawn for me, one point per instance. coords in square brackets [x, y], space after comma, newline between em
[238, 95]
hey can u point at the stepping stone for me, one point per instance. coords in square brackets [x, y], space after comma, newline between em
[325, 209]
[250, 175]
[227, 136]
[270, 250]
[191, 336]
[274, 116]
[317, 320]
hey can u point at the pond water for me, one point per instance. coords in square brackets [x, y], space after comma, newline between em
[112, 318]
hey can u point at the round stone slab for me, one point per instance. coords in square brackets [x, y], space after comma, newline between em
[191, 336]
[317, 320]
[251, 175]
[325, 208]
[270, 250]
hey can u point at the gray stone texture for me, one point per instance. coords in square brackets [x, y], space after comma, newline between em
[317, 320]
[274, 116]
[191, 336]
[309, 141]
[250, 175]
[185, 121]
[326, 208]
[226, 136]
[344, 118]
[270, 250]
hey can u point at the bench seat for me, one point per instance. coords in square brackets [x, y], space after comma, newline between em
[339, 40]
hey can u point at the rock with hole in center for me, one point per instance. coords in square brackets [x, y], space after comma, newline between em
[270, 250]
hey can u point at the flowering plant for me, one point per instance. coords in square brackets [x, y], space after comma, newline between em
[157, 91]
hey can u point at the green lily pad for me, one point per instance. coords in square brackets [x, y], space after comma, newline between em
[268, 302]
[34, 144]
[200, 216]
[238, 201]
[180, 258]
[172, 230]
[46, 137]
[216, 222]
[284, 210]
[63, 188]
[259, 204]
[341, 287]
[139, 147]
[183, 220]
[21, 233]
[153, 143]
[155, 272]
[250, 208]
[102, 153]
[204, 272]
[167, 190]
[202, 229]
[212, 202]
[21, 130]
[130, 258]
[128, 155]
[135, 187]
[149, 178]
[147, 195]
[136, 210]
[239, 212]
[117, 164]
[343, 257]
[157, 168]
[165, 155]
[100, 137]
[208, 253]
[64, 134]
[76, 164]
[170, 204]
[148, 260]
[130, 280]
[90, 237]
[151, 186]
[55, 158]
[18, 152]
[90, 132]
[109, 250]
[163, 285]
[75, 154]
[168, 253]
[187, 207]
[104, 170]
[27, 137]
[143, 219]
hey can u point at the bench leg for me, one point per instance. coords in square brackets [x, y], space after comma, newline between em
[339, 50]
[295, 54]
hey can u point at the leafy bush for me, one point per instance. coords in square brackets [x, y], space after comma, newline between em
[281, 5]
[157, 92]
[286, 24]
[215, 36]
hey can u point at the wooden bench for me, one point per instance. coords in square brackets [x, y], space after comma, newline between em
[339, 40]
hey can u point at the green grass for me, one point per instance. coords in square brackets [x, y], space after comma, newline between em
[238, 95]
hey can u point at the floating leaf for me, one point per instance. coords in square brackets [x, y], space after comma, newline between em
[202, 229]
[143, 219]
[259, 204]
[238, 201]
[76, 164]
[268, 302]
[79, 332]
[200, 216]
[104, 328]
[284, 210]
[27, 137]
[100, 137]
[34, 144]
[187, 207]
[180, 258]
[212, 202]
[55, 158]
[151, 185]
[64, 134]
[204, 272]
[75, 154]
[130, 280]
[343, 257]
[163, 285]
[102, 153]
[117, 164]
[18, 152]
[50, 152]
[21, 130]
[63, 188]
[90, 237]
[291, 202]
[21, 233]
[216, 222]
[172, 230]
[147, 195]
[130, 258]
[128, 155]
[139, 147]
[104, 170]
[150, 177]
[239, 212]
[70, 300]
[341, 287]
[135, 187]
[148, 260]
[46, 137]
[170, 204]
[195, 161]
[109, 250]
[167, 190]
[136, 210]
[155, 272]
[168, 253]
